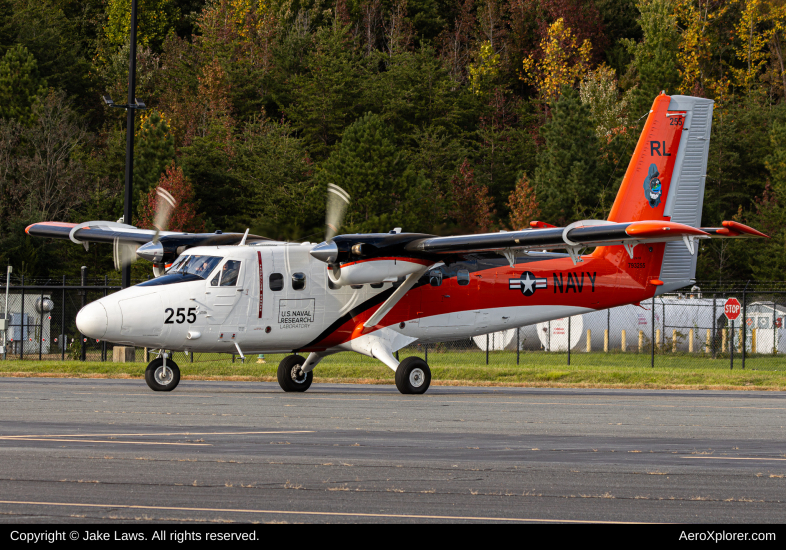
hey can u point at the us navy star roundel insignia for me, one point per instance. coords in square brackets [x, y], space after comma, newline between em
[528, 283]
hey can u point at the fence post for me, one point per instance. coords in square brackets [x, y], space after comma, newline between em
[487, 348]
[714, 328]
[549, 340]
[774, 330]
[41, 327]
[518, 345]
[63, 334]
[569, 323]
[103, 342]
[426, 359]
[84, 300]
[22, 323]
[652, 334]
[731, 348]
[744, 325]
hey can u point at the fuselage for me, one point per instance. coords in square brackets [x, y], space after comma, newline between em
[275, 297]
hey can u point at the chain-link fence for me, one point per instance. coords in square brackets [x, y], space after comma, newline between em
[688, 329]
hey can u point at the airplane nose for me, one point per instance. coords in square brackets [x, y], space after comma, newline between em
[92, 320]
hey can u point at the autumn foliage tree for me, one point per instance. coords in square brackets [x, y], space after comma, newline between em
[473, 206]
[523, 204]
[184, 215]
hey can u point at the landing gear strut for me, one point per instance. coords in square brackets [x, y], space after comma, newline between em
[413, 376]
[290, 375]
[160, 377]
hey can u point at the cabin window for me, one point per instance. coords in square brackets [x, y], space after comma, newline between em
[229, 273]
[276, 281]
[435, 277]
[298, 281]
[462, 277]
[377, 285]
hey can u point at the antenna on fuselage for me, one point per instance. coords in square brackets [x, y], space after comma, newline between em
[243, 241]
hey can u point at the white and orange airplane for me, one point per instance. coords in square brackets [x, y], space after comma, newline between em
[376, 293]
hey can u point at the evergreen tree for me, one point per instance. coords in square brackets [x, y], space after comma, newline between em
[385, 193]
[654, 66]
[20, 85]
[154, 150]
[568, 180]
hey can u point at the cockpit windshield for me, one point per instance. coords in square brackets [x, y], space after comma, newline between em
[196, 265]
[186, 269]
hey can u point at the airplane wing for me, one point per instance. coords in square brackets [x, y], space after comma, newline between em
[170, 243]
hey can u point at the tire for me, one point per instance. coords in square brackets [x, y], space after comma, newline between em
[157, 380]
[290, 378]
[413, 376]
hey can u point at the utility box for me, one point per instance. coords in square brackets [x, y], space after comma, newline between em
[123, 354]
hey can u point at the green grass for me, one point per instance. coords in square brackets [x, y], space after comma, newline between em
[466, 368]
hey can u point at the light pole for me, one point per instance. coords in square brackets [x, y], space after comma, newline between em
[132, 105]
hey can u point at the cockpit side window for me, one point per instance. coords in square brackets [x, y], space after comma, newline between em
[462, 277]
[215, 280]
[435, 277]
[229, 273]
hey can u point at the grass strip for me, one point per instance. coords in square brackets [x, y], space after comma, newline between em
[461, 368]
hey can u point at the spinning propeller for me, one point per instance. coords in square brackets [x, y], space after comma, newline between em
[125, 254]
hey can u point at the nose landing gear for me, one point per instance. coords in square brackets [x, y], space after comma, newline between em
[290, 375]
[160, 377]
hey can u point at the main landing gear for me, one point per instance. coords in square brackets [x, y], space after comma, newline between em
[413, 376]
[290, 375]
[160, 377]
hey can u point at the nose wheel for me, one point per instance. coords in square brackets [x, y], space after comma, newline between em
[160, 377]
[413, 376]
[290, 377]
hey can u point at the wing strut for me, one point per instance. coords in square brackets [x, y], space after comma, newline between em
[383, 310]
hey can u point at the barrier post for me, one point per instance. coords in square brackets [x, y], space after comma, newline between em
[518, 345]
[657, 342]
[724, 332]
[641, 341]
[487, 348]
[606, 340]
[622, 346]
[707, 342]
[22, 323]
[569, 323]
[674, 340]
[690, 341]
[754, 347]
[714, 328]
[589, 340]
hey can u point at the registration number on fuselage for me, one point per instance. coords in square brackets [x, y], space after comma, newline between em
[181, 316]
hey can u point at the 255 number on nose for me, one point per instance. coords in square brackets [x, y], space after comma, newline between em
[180, 318]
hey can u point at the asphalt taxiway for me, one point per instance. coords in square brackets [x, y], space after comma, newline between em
[76, 450]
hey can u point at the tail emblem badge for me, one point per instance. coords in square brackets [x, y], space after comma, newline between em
[652, 186]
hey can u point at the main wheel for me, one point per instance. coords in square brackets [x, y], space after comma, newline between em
[161, 378]
[413, 376]
[290, 377]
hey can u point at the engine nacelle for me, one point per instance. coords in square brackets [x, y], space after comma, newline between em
[374, 270]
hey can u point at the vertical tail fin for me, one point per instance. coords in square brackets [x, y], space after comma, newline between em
[665, 177]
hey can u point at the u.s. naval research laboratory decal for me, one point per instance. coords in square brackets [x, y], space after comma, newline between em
[295, 313]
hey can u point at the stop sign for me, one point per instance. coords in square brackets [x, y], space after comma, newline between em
[732, 309]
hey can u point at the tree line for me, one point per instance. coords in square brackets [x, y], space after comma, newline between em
[438, 116]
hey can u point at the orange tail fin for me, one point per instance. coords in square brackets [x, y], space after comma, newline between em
[643, 193]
